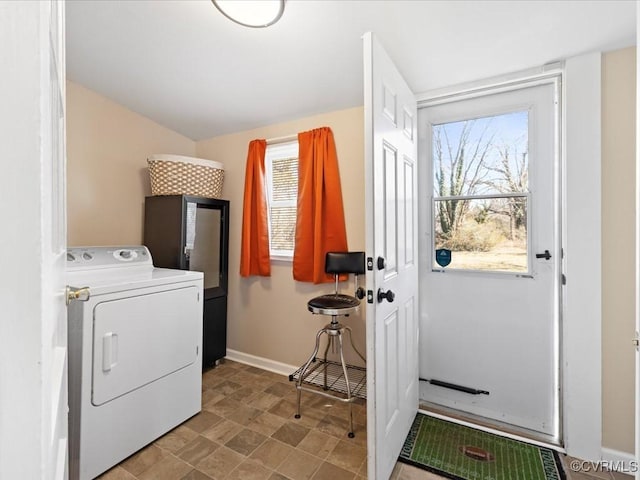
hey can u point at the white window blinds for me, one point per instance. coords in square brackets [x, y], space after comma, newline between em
[282, 188]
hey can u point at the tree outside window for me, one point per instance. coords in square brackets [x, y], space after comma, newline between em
[480, 181]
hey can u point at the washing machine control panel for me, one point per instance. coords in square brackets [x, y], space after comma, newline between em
[105, 257]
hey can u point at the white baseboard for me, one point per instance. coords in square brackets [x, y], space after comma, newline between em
[260, 362]
[619, 461]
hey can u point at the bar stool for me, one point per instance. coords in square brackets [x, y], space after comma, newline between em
[335, 305]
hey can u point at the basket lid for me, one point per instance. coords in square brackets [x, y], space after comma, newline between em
[184, 159]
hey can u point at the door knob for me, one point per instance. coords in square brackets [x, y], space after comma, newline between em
[73, 293]
[546, 255]
[389, 295]
[381, 263]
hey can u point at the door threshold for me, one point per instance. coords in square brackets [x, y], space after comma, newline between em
[490, 426]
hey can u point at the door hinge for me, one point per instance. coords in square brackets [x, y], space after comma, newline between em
[636, 341]
[564, 279]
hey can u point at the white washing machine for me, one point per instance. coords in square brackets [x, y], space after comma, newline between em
[135, 354]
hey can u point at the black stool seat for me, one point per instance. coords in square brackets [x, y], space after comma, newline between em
[333, 304]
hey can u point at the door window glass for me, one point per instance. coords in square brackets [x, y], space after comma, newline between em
[480, 197]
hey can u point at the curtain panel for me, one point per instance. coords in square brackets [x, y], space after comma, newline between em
[254, 250]
[320, 225]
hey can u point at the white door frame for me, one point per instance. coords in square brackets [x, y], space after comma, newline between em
[637, 276]
[581, 315]
[582, 318]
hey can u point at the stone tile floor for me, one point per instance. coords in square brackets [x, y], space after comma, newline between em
[246, 431]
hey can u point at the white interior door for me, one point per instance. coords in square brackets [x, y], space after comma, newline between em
[391, 220]
[490, 320]
[33, 334]
[33, 377]
[54, 328]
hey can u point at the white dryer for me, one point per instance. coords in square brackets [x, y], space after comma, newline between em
[135, 354]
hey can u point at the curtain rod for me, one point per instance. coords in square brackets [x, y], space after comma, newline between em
[286, 139]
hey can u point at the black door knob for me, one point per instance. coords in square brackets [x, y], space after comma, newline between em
[389, 295]
[381, 263]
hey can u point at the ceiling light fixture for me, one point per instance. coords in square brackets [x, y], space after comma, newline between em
[251, 13]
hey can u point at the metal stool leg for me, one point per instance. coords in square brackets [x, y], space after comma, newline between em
[348, 329]
[348, 384]
[304, 369]
[326, 350]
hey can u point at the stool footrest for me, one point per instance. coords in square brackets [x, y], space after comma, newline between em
[315, 375]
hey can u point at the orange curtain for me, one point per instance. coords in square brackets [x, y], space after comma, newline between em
[320, 226]
[254, 251]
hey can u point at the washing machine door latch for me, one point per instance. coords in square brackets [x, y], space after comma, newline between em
[72, 293]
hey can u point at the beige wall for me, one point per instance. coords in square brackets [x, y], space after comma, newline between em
[107, 179]
[268, 317]
[618, 237]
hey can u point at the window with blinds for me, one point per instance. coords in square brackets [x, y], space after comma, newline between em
[281, 163]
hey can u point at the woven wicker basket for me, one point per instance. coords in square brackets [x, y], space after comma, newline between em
[179, 175]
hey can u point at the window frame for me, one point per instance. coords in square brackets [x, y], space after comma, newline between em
[278, 151]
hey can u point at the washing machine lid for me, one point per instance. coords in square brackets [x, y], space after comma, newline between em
[115, 269]
[103, 282]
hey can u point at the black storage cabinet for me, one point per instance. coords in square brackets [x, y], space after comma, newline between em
[192, 233]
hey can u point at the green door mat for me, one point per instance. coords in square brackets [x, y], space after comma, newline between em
[463, 453]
